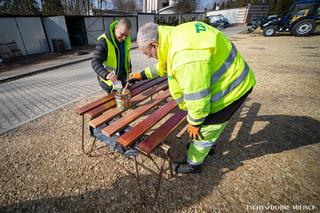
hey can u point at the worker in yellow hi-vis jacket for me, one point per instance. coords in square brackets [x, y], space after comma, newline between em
[207, 77]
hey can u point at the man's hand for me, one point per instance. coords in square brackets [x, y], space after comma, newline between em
[112, 76]
[194, 132]
[133, 77]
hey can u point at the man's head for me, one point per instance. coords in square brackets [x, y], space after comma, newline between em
[148, 40]
[122, 29]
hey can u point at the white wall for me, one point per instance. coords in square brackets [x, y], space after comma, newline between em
[56, 29]
[33, 34]
[27, 32]
[9, 32]
[231, 14]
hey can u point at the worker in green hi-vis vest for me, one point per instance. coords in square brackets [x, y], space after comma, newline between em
[207, 77]
[111, 59]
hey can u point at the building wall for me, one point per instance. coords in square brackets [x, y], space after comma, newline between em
[175, 16]
[9, 32]
[56, 28]
[95, 26]
[242, 15]
[150, 6]
[27, 32]
[145, 18]
[231, 15]
[30, 37]
[33, 34]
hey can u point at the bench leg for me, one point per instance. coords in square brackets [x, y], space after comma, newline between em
[170, 163]
[152, 160]
[136, 166]
[89, 153]
[166, 150]
[157, 188]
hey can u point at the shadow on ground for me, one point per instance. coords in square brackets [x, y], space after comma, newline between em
[277, 134]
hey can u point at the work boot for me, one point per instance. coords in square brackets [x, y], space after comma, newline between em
[186, 168]
[212, 151]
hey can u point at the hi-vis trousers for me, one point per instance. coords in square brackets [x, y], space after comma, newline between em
[200, 148]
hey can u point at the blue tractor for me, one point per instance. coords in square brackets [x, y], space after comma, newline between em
[301, 20]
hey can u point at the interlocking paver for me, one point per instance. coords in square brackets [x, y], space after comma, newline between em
[25, 99]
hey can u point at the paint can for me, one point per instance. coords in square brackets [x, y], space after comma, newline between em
[123, 100]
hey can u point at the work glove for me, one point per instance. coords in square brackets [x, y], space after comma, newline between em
[194, 132]
[133, 77]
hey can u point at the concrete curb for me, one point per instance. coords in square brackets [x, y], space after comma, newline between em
[48, 69]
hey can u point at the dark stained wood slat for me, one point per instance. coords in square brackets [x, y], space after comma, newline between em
[136, 99]
[144, 95]
[131, 116]
[100, 109]
[146, 86]
[83, 109]
[160, 134]
[138, 84]
[105, 117]
[138, 130]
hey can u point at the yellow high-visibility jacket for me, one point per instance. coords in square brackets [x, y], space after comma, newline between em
[113, 58]
[205, 71]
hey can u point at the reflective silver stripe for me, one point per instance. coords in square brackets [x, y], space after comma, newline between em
[203, 144]
[215, 77]
[154, 71]
[197, 95]
[109, 68]
[234, 84]
[179, 100]
[195, 120]
[225, 66]
[193, 163]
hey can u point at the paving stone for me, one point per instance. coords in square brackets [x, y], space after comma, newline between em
[29, 97]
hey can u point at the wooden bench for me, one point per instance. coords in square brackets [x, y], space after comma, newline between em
[103, 110]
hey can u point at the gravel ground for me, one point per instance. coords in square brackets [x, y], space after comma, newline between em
[269, 155]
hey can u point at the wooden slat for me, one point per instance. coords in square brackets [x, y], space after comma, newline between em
[138, 130]
[100, 109]
[115, 111]
[144, 95]
[160, 134]
[138, 84]
[146, 86]
[83, 109]
[131, 116]
[136, 99]
[105, 117]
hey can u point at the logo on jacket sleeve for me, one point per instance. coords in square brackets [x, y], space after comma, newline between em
[199, 27]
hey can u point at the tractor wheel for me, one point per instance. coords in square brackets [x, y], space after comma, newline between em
[269, 31]
[303, 28]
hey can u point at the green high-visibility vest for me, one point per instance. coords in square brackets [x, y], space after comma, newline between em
[112, 64]
[205, 71]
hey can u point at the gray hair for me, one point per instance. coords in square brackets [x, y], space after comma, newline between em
[147, 33]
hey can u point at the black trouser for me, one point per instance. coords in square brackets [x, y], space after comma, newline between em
[226, 113]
